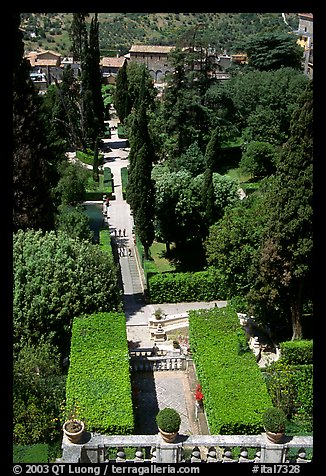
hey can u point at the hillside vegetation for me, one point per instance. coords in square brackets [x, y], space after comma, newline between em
[118, 31]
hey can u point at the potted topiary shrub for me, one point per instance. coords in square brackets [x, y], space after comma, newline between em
[274, 421]
[158, 314]
[168, 421]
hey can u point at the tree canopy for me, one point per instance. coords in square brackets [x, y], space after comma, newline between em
[284, 267]
[57, 277]
[271, 51]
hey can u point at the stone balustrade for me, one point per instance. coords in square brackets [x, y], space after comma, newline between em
[153, 359]
[96, 448]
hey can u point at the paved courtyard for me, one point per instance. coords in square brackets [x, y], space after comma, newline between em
[156, 390]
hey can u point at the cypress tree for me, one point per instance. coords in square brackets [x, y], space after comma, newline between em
[144, 212]
[78, 35]
[33, 205]
[91, 101]
[122, 99]
[95, 73]
[140, 189]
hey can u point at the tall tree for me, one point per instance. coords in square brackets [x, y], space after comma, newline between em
[33, 204]
[78, 34]
[121, 99]
[91, 95]
[272, 51]
[62, 112]
[140, 189]
[286, 253]
[234, 241]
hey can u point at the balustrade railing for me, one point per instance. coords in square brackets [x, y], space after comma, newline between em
[192, 449]
[147, 360]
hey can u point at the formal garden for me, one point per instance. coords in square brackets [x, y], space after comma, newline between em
[219, 182]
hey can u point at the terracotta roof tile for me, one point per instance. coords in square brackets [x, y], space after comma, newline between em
[113, 62]
[150, 49]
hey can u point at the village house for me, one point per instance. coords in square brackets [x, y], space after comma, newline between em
[305, 33]
[110, 67]
[48, 66]
[45, 68]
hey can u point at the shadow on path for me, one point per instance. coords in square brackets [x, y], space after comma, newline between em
[133, 303]
[145, 403]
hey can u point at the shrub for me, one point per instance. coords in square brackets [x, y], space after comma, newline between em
[99, 374]
[38, 390]
[56, 278]
[71, 187]
[235, 392]
[88, 157]
[74, 222]
[168, 420]
[297, 352]
[122, 132]
[274, 420]
[186, 287]
[291, 387]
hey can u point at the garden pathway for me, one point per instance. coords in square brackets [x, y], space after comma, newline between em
[120, 218]
[159, 389]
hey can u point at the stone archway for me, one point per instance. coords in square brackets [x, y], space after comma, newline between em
[159, 76]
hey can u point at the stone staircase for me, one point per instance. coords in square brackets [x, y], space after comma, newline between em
[137, 286]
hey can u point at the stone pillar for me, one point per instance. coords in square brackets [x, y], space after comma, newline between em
[272, 452]
[168, 452]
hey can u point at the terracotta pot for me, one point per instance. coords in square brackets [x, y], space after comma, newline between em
[274, 437]
[168, 437]
[73, 436]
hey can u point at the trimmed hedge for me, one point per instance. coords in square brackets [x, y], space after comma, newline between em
[124, 181]
[98, 381]
[186, 287]
[235, 393]
[303, 383]
[297, 352]
[38, 453]
[291, 387]
[88, 158]
[122, 133]
[95, 191]
[105, 241]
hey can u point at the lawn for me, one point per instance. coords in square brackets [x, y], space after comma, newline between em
[161, 263]
[238, 174]
[37, 453]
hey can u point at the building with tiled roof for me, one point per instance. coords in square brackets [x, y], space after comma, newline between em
[150, 49]
[154, 57]
[110, 67]
[43, 58]
[45, 64]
